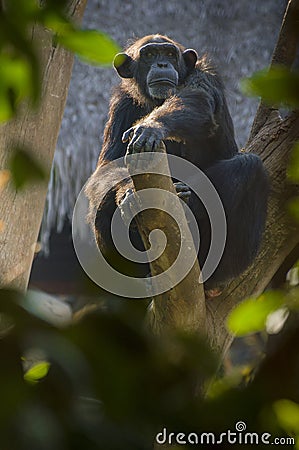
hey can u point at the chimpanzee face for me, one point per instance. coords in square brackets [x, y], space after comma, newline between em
[158, 69]
[160, 63]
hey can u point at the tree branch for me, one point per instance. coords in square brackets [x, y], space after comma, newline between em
[172, 309]
[284, 54]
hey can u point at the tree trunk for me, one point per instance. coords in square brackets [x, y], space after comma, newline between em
[21, 212]
[273, 143]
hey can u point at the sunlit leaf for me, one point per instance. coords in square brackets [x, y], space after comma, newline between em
[56, 23]
[25, 169]
[277, 86]
[37, 372]
[287, 413]
[15, 84]
[15, 73]
[92, 46]
[293, 169]
[251, 315]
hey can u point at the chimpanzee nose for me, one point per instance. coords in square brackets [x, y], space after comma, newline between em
[162, 65]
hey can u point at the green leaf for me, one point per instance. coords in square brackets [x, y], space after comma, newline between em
[278, 86]
[90, 45]
[37, 372]
[15, 84]
[57, 23]
[287, 413]
[25, 169]
[293, 169]
[293, 208]
[251, 315]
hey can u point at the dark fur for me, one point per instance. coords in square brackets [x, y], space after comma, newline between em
[195, 124]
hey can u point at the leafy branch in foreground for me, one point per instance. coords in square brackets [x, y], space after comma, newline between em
[20, 65]
[20, 74]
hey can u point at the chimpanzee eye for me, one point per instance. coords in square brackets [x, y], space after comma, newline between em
[149, 55]
[171, 54]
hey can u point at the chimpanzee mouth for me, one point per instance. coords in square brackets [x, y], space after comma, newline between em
[161, 88]
[162, 81]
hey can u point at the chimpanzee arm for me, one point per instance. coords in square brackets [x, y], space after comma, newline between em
[196, 107]
[191, 115]
[123, 113]
[181, 115]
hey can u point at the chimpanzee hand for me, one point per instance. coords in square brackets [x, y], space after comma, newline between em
[143, 138]
[183, 191]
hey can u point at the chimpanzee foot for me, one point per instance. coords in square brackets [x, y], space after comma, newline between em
[212, 293]
[183, 191]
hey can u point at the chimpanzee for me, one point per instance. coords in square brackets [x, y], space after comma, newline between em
[168, 94]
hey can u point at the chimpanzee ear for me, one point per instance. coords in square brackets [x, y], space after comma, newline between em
[190, 57]
[124, 64]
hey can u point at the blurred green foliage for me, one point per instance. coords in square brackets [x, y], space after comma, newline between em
[106, 382]
[250, 316]
[24, 168]
[287, 413]
[37, 372]
[112, 385]
[19, 63]
[15, 84]
[278, 86]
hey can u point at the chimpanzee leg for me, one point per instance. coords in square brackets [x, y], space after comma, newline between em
[242, 185]
[104, 239]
